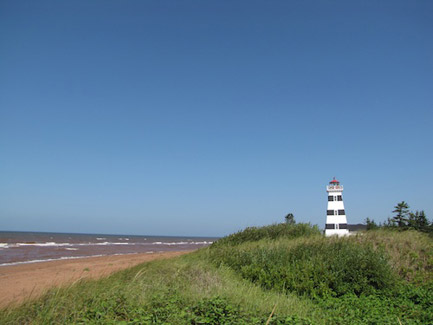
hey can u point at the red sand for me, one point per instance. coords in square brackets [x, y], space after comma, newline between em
[28, 281]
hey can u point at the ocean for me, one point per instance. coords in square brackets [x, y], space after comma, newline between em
[32, 247]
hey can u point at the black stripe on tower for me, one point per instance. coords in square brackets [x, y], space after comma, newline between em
[332, 226]
[332, 212]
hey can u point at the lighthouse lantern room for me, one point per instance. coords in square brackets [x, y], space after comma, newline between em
[336, 221]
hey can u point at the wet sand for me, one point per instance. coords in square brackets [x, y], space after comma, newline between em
[28, 281]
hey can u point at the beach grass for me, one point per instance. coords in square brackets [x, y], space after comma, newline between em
[165, 291]
[251, 278]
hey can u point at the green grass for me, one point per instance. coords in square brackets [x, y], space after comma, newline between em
[379, 277]
[410, 252]
[375, 277]
[172, 291]
[318, 267]
[271, 232]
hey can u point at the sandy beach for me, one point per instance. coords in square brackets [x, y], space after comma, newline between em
[28, 281]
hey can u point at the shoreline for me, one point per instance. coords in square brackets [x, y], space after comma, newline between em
[67, 258]
[21, 282]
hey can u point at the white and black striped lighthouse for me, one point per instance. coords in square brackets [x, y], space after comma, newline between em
[336, 221]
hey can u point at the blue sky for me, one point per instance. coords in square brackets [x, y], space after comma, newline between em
[203, 117]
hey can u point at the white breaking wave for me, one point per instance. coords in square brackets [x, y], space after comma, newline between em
[61, 259]
[105, 243]
[54, 244]
[182, 243]
[47, 244]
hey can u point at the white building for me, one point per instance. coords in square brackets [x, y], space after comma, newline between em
[336, 221]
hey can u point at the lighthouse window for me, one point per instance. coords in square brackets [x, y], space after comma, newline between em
[330, 198]
[343, 225]
[341, 212]
[330, 226]
[339, 198]
[330, 212]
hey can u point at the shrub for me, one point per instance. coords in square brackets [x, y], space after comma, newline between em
[218, 310]
[215, 311]
[317, 268]
[275, 231]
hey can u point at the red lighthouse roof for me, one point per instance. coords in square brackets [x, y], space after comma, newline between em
[334, 181]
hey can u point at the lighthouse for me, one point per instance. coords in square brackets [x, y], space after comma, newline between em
[336, 221]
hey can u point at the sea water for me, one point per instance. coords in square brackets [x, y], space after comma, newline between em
[32, 247]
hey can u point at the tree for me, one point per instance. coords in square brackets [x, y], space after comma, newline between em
[371, 224]
[389, 223]
[290, 219]
[402, 211]
[418, 221]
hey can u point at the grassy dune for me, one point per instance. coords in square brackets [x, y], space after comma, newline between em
[379, 277]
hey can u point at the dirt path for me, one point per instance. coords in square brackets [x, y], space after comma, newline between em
[20, 282]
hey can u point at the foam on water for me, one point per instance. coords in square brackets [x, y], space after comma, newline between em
[26, 247]
[106, 243]
[61, 259]
[183, 243]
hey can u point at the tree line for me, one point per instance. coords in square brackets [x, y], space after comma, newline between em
[404, 220]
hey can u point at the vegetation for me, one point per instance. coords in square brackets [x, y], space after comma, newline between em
[278, 274]
[376, 277]
[290, 219]
[185, 290]
[272, 232]
[404, 220]
[402, 211]
[315, 268]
